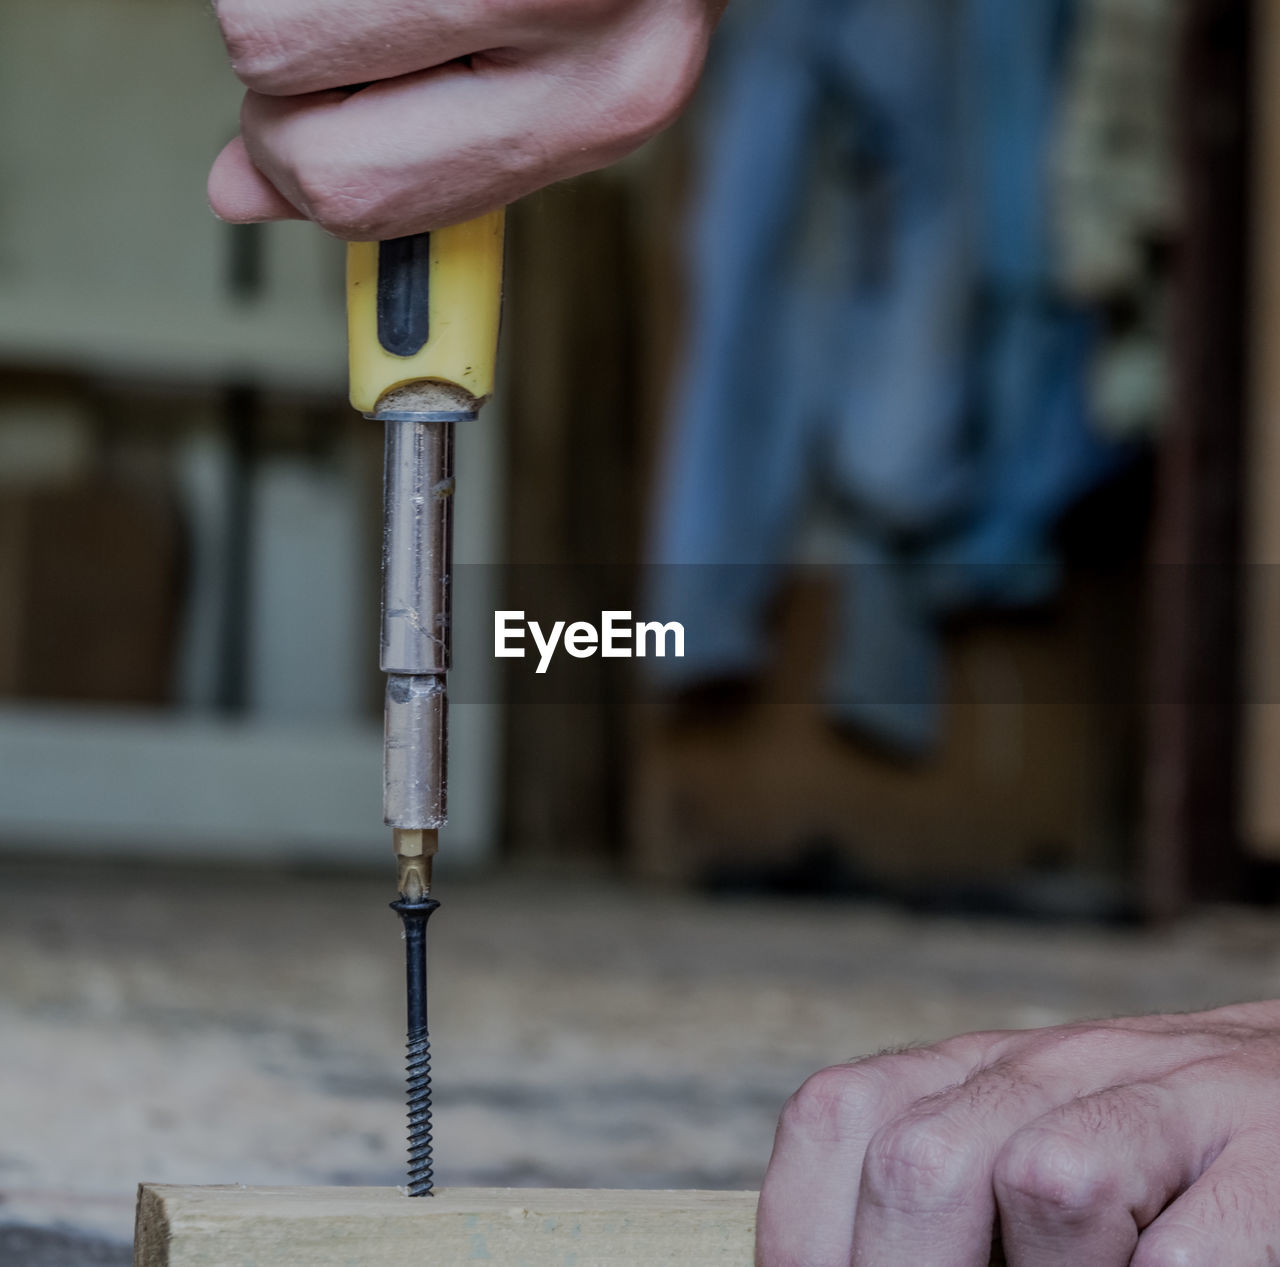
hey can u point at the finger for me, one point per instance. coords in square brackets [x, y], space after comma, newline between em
[288, 47]
[808, 1199]
[1228, 1217]
[926, 1196]
[239, 192]
[1080, 1183]
[438, 147]
[396, 158]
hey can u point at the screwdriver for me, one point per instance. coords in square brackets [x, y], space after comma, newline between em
[422, 334]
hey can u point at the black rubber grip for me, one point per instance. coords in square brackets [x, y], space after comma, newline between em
[404, 293]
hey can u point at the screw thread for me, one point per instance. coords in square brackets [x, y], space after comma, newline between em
[421, 1174]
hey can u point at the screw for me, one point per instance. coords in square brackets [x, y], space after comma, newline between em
[414, 914]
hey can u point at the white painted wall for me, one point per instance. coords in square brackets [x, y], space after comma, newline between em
[109, 255]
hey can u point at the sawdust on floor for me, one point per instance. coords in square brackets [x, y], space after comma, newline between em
[223, 1027]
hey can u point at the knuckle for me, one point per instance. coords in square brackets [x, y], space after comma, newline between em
[259, 57]
[1053, 1170]
[662, 87]
[919, 1162]
[340, 203]
[969, 1050]
[832, 1104]
[1175, 1247]
[1225, 1215]
[663, 105]
[647, 88]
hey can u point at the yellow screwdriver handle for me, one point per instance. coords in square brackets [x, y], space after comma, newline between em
[425, 308]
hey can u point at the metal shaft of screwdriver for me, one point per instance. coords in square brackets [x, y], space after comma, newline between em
[415, 651]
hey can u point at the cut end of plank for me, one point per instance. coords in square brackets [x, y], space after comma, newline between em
[150, 1226]
[382, 1227]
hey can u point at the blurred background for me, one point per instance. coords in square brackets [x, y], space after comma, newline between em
[924, 371]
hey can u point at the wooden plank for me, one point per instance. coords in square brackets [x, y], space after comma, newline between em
[380, 1227]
